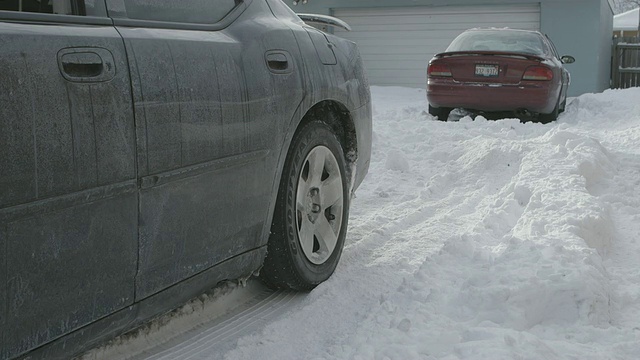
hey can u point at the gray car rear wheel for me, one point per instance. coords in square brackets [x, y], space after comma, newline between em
[310, 219]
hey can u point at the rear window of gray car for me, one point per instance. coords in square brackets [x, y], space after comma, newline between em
[500, 40]
[183, 11]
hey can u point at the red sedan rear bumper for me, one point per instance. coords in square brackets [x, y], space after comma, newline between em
[534, 96]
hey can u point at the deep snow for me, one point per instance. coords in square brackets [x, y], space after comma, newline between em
[483, 239]
[480, 239]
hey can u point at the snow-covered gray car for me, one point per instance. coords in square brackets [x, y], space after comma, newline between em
[151, 149]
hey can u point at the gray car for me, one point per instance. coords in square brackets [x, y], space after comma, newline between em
[151, 149]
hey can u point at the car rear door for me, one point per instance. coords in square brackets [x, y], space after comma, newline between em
[68, 198]
[203, 175]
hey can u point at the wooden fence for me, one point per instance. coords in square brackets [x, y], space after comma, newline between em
[625, 65]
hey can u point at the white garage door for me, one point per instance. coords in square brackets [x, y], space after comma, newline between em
[397, 43]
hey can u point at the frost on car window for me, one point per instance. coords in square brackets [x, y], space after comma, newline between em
[184, 11]
[500, 40]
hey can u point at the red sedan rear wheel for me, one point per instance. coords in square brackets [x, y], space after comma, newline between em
[552, 116]
[441, 113]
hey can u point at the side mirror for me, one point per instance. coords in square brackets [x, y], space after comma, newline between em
[567, 59]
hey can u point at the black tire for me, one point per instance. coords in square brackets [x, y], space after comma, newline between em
[552, 116]
[441, 113]
[299, 258]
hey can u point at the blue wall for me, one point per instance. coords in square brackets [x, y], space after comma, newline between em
[581, 28]
[605, 53]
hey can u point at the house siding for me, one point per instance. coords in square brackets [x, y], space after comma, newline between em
[581, 28]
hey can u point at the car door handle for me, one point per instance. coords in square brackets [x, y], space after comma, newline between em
[82, 64]
[278, 61]
[86, 64]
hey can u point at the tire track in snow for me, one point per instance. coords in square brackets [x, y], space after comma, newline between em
[202, 329]
[443, 203]
[210, 338]
[429, 250]
[622, 260]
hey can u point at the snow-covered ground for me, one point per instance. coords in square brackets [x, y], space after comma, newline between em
[481, 239]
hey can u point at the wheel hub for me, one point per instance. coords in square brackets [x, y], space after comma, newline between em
[313, 205]
[319, 204]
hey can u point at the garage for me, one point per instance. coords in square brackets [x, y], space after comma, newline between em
[398, 37]
[396, 43]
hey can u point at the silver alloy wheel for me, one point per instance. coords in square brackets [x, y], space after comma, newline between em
[319, 204]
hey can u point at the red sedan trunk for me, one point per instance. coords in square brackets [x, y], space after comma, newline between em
[493, 81]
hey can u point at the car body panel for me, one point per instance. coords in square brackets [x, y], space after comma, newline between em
[511, 67]
[68, 202]
[505, 91]
[137, 314]
[491, 97]
[345, 84]
[194, 204]
[220, 144]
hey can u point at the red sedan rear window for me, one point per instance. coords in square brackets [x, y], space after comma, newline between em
[500, 40]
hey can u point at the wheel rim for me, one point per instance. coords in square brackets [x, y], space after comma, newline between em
[319, 205]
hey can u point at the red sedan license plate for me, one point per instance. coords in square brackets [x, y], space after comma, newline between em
[486, 70]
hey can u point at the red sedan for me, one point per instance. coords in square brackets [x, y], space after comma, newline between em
[499, 70]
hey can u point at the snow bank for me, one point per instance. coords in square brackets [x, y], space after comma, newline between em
[482, 239]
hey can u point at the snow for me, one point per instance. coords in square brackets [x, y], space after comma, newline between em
[483, 239]
[627, 21]
[469, 239]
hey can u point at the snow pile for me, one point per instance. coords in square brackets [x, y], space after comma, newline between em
[483, 239]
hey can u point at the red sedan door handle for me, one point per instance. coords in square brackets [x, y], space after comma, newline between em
[278, 61]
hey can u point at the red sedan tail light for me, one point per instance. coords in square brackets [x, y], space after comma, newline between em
[438, 70]
[538, 73]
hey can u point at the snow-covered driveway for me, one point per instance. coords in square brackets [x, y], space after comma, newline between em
[481, 240]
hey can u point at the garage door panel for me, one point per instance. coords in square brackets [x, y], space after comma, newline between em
[394, 64]
[437, 19]
[429, 21]
[399, 73]
[409, 81]
[437, 10]
[393, 51]
[420, 57]
[397, 43]
[390, 39]
[401, 80]
[404, 35]
[364, 30]
[439, 43]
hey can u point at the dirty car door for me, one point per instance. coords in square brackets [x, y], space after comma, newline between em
[199, 201]
[68, 199]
